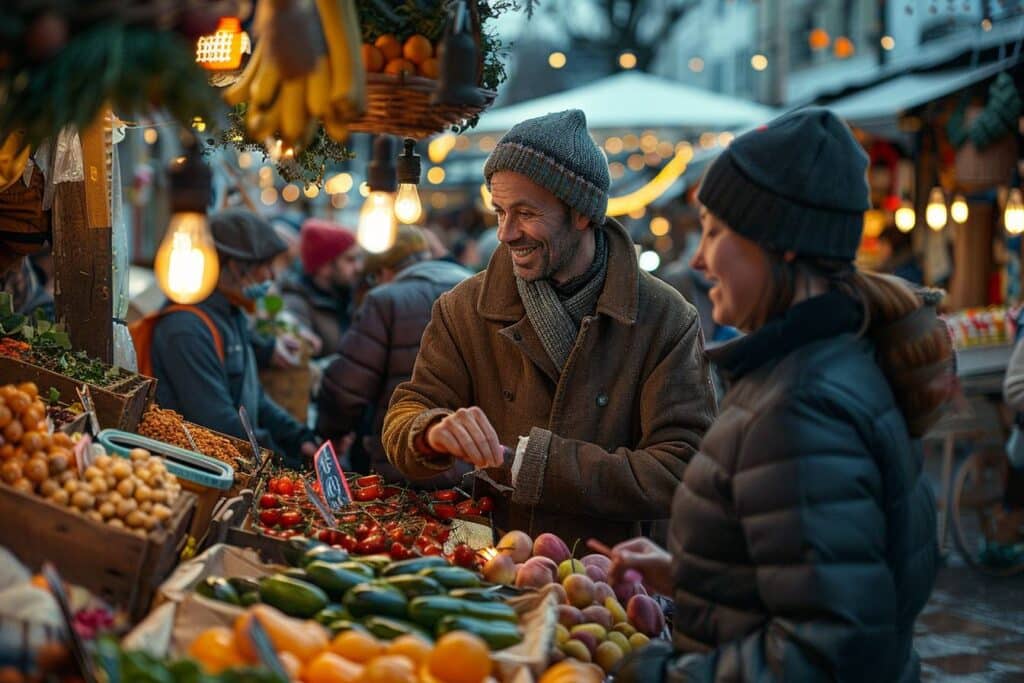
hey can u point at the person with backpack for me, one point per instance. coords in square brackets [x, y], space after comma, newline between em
[802, 544]
[202, 355]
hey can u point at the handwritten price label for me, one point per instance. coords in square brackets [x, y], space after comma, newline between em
[332, 480]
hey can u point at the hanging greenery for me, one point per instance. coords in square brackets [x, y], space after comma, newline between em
[999, 117]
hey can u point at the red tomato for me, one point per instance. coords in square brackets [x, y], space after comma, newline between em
[287, 533]
[400, 552]
[285, 487]
[432, 550]
[446, 496]
[371, 545]
[346, 541]
[444, 510]
[486, 503]
[464, 556]
[325, 535]
[366, 529]
[269, 500]
[291, 518]
[349, 518]
[270, 517]
[368, 493]
[468, 508]
[369, 480]
[389, 491]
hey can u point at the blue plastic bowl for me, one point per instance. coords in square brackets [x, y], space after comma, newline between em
[188, 465]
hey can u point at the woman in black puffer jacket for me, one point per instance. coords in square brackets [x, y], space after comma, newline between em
[802, 541]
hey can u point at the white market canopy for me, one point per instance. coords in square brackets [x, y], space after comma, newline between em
[633, 99]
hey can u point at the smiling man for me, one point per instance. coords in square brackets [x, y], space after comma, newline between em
[563, 351]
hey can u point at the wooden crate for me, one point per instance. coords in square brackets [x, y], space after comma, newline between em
[113, 563]
[117, 407]
[243, 480]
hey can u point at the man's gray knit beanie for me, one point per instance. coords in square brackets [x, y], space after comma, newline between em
[556, 152]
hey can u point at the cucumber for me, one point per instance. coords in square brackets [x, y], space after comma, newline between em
[452, 577]
[414, 586]
[297, 573]
[218, 588]
[428, 610]
[243, 584]
[343, 625]
[389, 629]
[249, 598]
[296, 547]
[414, 565]
[324, 553]
[477, 594]
[497, 634]
[490, 611]
[331, 614]
[294, 598]
[376, 562]
[334, 580]
[359, 568]
[367, 599]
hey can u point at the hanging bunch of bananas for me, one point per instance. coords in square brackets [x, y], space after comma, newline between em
[289, 105]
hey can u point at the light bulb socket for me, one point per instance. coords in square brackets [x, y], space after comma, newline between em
[380, 172]
[409, 167]
[190, 180]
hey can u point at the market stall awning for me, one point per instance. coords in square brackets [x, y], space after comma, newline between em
[636, 100]
[881, 105]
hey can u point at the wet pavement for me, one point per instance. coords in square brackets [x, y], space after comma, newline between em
[972, 630]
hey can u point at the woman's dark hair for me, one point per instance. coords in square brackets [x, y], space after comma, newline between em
[913, 345]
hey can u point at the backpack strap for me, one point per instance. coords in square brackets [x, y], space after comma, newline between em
[218, 341]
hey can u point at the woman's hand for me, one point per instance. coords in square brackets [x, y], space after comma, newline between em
[647, 557]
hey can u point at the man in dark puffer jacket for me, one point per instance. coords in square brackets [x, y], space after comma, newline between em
[379, 350]
[802, 537]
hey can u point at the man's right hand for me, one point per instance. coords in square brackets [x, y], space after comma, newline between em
[468, 435]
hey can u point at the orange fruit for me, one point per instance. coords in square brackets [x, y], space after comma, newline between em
[19, 402]
[397, 67]
[430, 68]
[215, 650]
[356, 646]
[390, 669]
[292, 665]
[417, 49]
[413, 647]
[460, 657]
[328, 667]
[29, 388]
[389, 46]
[373, 58]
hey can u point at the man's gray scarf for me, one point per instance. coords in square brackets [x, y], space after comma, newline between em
[557, 320]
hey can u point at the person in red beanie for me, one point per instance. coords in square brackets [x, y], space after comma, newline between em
[321, 297]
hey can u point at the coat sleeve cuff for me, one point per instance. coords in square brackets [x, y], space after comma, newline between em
[425, 456]
[529, 467]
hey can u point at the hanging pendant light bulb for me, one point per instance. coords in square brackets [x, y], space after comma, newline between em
[1013, 214]
[958, 210]
[408, 208]
[377, 224]
[905, 217]
[186, 265]
[935, 214]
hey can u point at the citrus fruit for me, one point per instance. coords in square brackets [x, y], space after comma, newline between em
[430, 68]
[389, 46]
[356, 646]
[460, 657]
[373, 58]
[390, 669]
[417, 49]
[292, 665]
[215, 650]
[413, 647]
[328, 667]
[397, 67]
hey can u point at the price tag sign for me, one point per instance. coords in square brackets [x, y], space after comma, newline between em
[83, 453]
[332, 479]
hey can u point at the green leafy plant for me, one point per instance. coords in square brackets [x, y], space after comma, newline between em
[268, 320]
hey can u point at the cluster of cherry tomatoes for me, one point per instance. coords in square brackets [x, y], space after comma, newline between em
[382, 519]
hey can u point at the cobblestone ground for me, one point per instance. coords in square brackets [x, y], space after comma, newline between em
[972, 630]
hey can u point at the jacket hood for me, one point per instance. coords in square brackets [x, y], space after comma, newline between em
[436, 272]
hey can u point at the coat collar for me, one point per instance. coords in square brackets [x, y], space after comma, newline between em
[499, 298]
[820, 317]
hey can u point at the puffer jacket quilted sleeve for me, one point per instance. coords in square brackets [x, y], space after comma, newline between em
[803, 534]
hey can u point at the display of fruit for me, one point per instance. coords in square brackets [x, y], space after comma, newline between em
[423, 597]
[310, 655]
[136, 493]
[597, 622]
[417, 56]
[333, 93]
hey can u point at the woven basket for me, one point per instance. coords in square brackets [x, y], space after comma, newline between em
[400, 105]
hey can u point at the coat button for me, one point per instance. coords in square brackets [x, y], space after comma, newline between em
[602, 400]
[508, 395]
[518, 337]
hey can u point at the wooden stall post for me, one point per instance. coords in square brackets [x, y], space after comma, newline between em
[972, 254]
[82, 257]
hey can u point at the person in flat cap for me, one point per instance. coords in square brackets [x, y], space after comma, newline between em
[588, 371]
[202, 355]
[802, 544]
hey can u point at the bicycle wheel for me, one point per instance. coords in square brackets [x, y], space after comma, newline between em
[977, 491]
